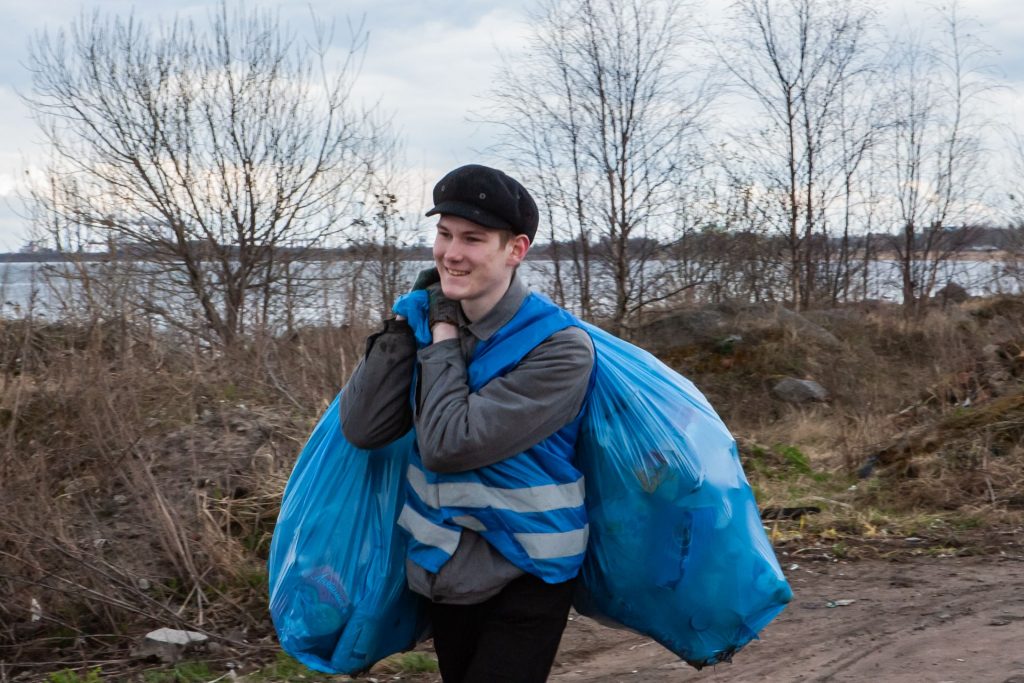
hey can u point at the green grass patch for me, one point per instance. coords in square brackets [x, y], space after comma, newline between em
[841, 550]
[285, 669]
[412, 663]
[794, 459]
[783, 476]
[72, 676]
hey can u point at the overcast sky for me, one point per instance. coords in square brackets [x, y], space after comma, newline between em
[428, 62]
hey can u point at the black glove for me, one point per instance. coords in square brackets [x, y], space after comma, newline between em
[427, 277]
[442, 309]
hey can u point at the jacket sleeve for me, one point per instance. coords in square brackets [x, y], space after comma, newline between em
[459, 430]
[375, 406]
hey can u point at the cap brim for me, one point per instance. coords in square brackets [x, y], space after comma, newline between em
[470, 213]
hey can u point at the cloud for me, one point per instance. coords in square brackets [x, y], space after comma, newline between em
[426, 63]
[433, 75]
[429, 64]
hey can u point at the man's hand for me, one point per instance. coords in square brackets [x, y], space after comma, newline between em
[427, 277]
[443, 313]
[442, 309]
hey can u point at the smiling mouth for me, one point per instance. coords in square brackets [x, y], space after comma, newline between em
[456, 273]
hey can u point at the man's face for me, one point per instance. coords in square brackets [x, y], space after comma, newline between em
[475, 266]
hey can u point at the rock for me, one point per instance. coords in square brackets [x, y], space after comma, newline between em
[120, 499]
[725, 325]
[168, 644]
[794, 390]
[805, 329]
[144, 584]
[681, 329]
[173, 636]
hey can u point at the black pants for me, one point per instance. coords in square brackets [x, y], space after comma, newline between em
[510, 638]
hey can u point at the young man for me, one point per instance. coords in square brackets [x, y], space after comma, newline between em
[495, 506]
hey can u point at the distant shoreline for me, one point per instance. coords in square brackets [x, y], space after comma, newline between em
[966, 255]
[423, 254]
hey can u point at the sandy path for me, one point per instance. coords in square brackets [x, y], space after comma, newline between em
[923, 619]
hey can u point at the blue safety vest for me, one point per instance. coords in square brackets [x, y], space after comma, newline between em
[530, 507]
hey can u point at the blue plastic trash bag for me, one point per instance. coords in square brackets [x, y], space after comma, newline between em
[338, 596]
[676, 550]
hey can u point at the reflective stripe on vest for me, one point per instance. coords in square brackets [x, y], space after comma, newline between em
[478, 495]
[428, 533]
[539, 546]
[548, 546]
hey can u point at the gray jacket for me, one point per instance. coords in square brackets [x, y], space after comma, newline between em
[458, 430]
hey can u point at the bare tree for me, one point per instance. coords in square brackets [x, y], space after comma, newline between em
[385, 261]
[860, 126]
[213, 156]
[384, 237]
[742, 252]
[802, 62]
[935, 152]
[1010, 240]
[598, 115]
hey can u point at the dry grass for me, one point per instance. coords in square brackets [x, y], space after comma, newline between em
[928, 410]
[141, 477]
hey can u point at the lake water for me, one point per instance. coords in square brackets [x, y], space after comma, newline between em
[332, 288]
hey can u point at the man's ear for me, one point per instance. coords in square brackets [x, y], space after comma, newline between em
[520, 246]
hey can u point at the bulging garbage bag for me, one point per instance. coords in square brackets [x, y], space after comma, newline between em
[338, 596]
[676, 550]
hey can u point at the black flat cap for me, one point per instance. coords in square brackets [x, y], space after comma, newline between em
[488, 197]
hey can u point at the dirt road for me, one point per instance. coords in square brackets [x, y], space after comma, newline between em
[919, 619]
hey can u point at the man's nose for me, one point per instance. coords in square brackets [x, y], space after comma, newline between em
[453, 252]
